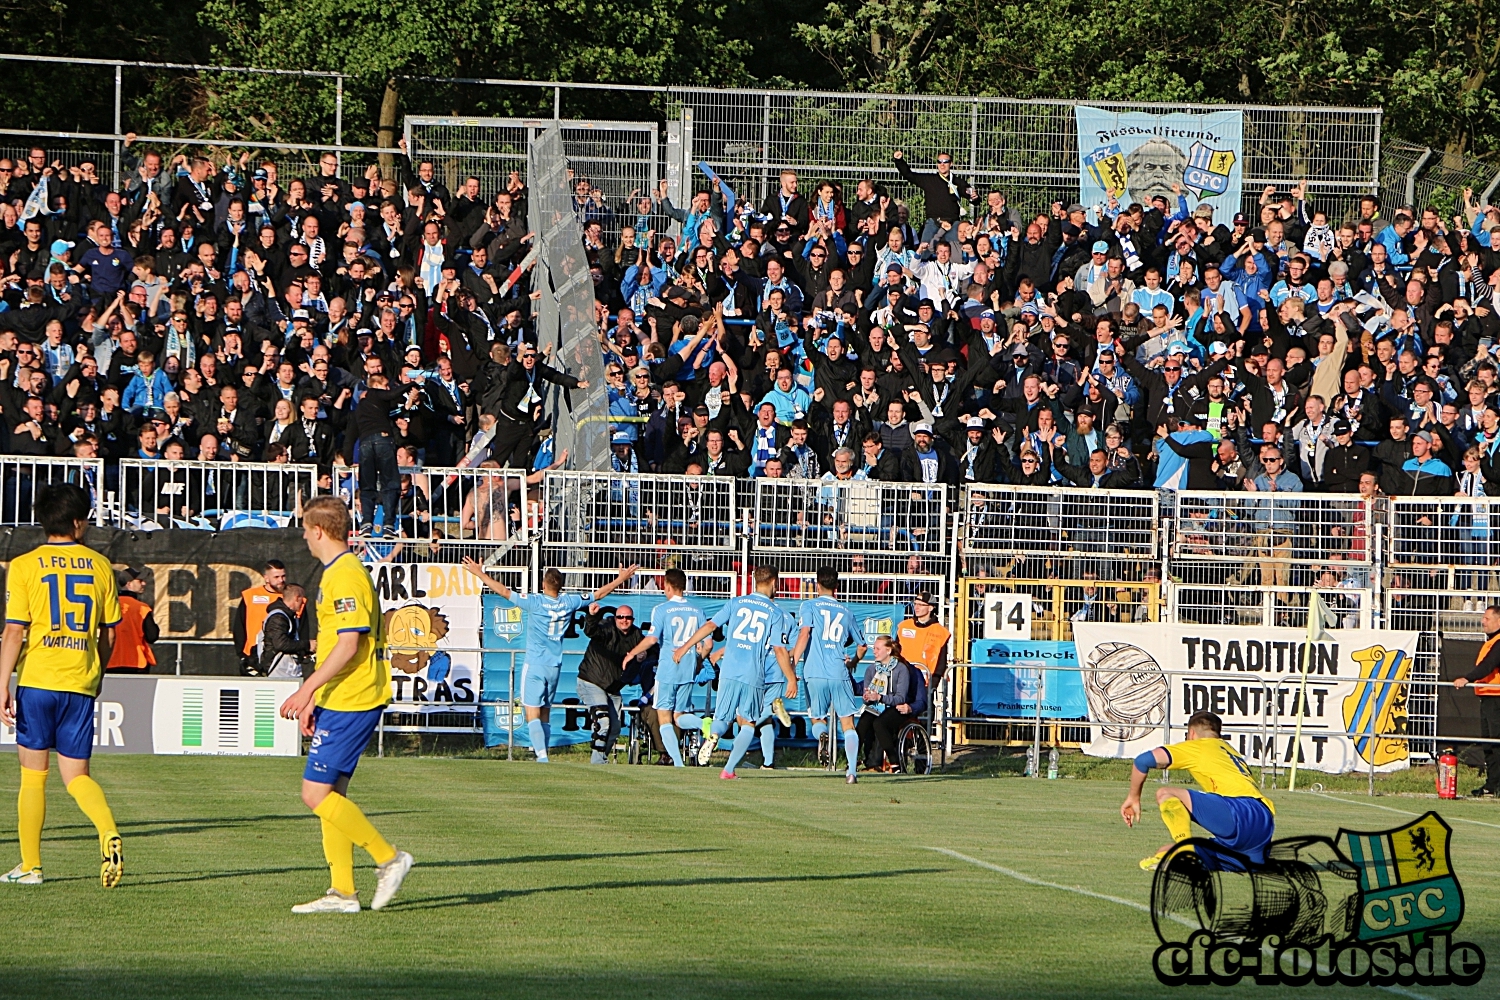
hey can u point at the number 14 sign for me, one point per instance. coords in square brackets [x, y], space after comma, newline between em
[1007, 616]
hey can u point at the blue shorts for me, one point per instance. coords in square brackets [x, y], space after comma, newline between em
[737, 699]
[339, 738]
[55, 720]
[1240, 823]
[768, 694]
[672, 697]
[539, 686]
[821, 694]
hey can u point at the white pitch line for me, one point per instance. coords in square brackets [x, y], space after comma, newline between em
[1043, 883]
[1402, 812]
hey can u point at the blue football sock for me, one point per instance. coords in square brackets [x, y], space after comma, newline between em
[720, 727]
[819, 727]
[851, 749]
[768, 744]
[538, 733]
[546, 732]
[673, 744]
[742, 743]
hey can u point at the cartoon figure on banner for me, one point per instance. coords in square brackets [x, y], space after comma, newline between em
[1377, 707]
[1126, 690]
[419, 629]
[1207, 170]
[1153, 167]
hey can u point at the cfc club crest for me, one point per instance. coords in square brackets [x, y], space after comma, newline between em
[1207, 170]
[1377, 909]
[1106, 165]
[1378, 705]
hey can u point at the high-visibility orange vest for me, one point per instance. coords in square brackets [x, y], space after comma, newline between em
[1489, 685]
[256, 600]
[131, 649]
[922, 645]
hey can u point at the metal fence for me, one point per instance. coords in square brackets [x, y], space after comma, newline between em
[1029, 149]
[215, 496]
[638, 511]
[1091, 530]
[860, 515]
[1419, 176]
[619, 158]
[22, 478]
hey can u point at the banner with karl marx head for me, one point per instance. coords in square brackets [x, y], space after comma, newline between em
[1143, 682]
[1132, 156]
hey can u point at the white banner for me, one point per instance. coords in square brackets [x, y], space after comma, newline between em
[433, 624]
[1144, 681]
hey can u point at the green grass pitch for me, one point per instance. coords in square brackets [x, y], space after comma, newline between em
[571, 881]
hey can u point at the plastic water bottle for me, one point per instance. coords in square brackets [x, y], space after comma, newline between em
[1031, 762]
[1052, 765]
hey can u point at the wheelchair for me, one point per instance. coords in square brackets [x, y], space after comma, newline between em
[915, 749]
[644, 747]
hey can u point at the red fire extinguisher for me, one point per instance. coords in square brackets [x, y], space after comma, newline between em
[1447, 775]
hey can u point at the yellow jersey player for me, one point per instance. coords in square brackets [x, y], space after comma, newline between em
[1230, 805]
[61, 603]
[339, 706]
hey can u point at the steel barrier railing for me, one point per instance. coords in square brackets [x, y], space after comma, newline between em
[160, 493]
[640, 511]
[23, 477]
[850, 515]
[1099, 524]
[1272, 528]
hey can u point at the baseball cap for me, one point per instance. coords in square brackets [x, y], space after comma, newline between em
[60, 247]
[924, 597]
[700, 411]
[1068, 229]
[1241, 219]
[1019, 351]
[1204, 211]
[1342, 427]
[974, 423]
[1178, 347]
[621, 437]
[1218, 347]
[1101, 247]
[300, 314]
[1075, 207]
[126, 575]
[893, 267]
[261, 174]
[922, 428]
[987, 314]
[1258, 349]
[1424, 435]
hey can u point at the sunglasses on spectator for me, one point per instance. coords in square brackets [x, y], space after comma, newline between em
[1270, 461]
[1174, 368]
[944, 159]
[624, 618]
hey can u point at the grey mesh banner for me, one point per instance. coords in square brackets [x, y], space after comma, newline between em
[566, 324]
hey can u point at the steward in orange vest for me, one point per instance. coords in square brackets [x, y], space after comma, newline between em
[245, 621]
[1485, 680]
[137, 630]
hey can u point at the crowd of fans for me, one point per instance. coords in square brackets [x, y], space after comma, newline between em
[221, 311]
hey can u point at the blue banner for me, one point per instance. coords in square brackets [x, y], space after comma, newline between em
[1134, 156]
[1010, 691]
[505, 638]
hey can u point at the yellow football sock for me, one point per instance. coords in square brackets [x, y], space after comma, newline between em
[90, 798]
[345, 815]
[31, 812]
[1177, 818]
[339, 850]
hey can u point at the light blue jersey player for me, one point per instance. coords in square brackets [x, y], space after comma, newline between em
[773, 701]
[548, 615]
[755, 632]
[827, 632]
[672, 621]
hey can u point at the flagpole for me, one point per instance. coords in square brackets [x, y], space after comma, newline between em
[1314, 628]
